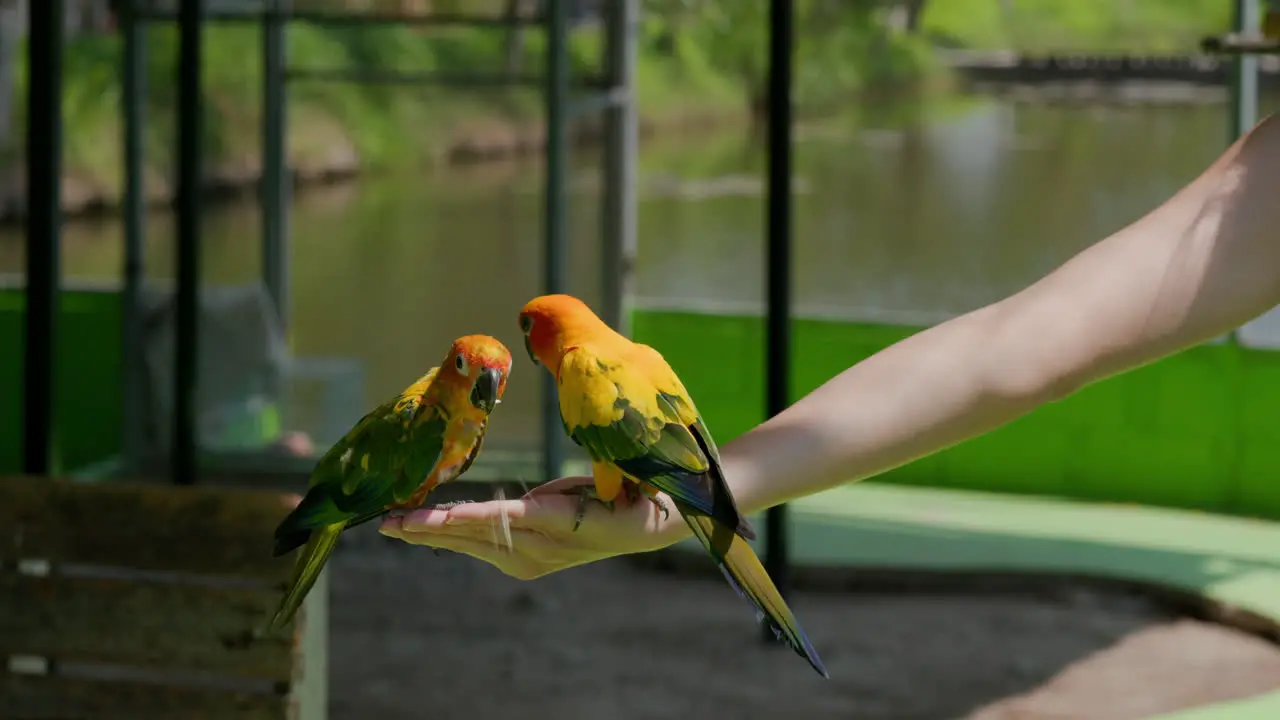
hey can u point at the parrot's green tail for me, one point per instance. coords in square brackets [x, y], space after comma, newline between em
[311, 560]
[748, 577]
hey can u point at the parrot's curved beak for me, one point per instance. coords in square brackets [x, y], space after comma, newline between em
[484, 392]
[528, 347]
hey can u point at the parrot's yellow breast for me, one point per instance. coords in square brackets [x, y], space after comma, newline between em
[591, 386]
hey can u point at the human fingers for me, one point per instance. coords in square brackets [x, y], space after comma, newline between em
[516, 564]
[522, 554]
[496, 536]
[550, 514]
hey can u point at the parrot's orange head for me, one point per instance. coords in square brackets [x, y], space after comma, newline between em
[554, 323]
[481, 363]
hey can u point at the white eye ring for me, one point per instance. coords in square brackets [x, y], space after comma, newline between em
[460, 363]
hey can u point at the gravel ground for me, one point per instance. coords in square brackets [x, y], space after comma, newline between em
[419, 636]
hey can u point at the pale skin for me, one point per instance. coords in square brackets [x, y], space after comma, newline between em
[1191, 270]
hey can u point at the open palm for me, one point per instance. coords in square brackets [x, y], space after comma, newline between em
[533, 535]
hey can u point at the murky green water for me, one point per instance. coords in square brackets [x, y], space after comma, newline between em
[914, 210]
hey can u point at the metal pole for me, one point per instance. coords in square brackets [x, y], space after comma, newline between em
[44, 220]
[556, 233]
[621, 139]
[190, 129]
[275, 175]
[1244, 81]
[133, 82]
[1244, 88]
[778, 266]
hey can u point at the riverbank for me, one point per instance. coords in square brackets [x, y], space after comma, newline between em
[697, 69]
[321, 153]
[339, 130]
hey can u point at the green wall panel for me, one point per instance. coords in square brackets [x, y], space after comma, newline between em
[88, 401]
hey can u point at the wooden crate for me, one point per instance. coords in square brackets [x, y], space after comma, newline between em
[138, 601]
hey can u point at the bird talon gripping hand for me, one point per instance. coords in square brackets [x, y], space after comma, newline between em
[622, 403]
[397, 454]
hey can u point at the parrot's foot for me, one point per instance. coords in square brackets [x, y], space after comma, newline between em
[584, 493]
[635, 492]
[661, 505]
[451, 505]
[447, 506]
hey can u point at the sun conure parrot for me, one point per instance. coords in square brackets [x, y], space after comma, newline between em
[623, 404]
[427, 435]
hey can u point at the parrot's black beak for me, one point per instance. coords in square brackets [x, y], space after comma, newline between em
[528, 347]
[484, 393]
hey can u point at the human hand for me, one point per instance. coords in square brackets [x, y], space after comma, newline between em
[542, 538]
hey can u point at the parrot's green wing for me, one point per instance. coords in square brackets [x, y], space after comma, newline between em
[638, 416]
[379, 462]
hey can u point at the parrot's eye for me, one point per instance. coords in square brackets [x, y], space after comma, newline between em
[526, 324]
[460, 363]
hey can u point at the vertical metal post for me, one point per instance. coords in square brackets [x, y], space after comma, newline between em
[778, 265]
[621, 139]
[275, 174]
[1244, 88]
[133, 73]
[1244, 81]
[44, 220]
[190, 130]
[556, 236]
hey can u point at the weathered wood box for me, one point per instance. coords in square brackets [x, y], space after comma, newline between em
[138, 601]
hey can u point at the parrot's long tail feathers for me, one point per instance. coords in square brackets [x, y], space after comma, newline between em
[305, 571]
[362, 519]
[288, 542]
[723, 499]
[747, 576]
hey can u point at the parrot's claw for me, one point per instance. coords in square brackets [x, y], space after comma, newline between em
[635, 492]
[584, 493]
[662, 506]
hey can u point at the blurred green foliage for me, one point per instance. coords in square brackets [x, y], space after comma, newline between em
[695, 57]
[1077, 25]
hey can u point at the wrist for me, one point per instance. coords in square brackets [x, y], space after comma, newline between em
[742, 475]
[737, 471]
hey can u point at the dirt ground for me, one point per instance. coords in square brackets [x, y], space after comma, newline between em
[419, 636]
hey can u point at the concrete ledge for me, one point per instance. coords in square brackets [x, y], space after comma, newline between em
[1221, 567]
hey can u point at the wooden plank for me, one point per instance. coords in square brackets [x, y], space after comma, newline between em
[160, 625]
[154, 527]
[28, 697]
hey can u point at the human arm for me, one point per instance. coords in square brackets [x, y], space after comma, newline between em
[1196, 267]
[1201, 264]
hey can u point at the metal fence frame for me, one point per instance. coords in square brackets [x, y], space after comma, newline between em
[612, 93]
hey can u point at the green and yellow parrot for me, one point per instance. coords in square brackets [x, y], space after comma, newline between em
[623, 404]
[397, 454]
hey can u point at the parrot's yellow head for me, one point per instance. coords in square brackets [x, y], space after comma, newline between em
[481, 364]
[554, 323]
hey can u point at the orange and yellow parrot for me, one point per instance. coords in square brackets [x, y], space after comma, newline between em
[622, 403]
[397, 454]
